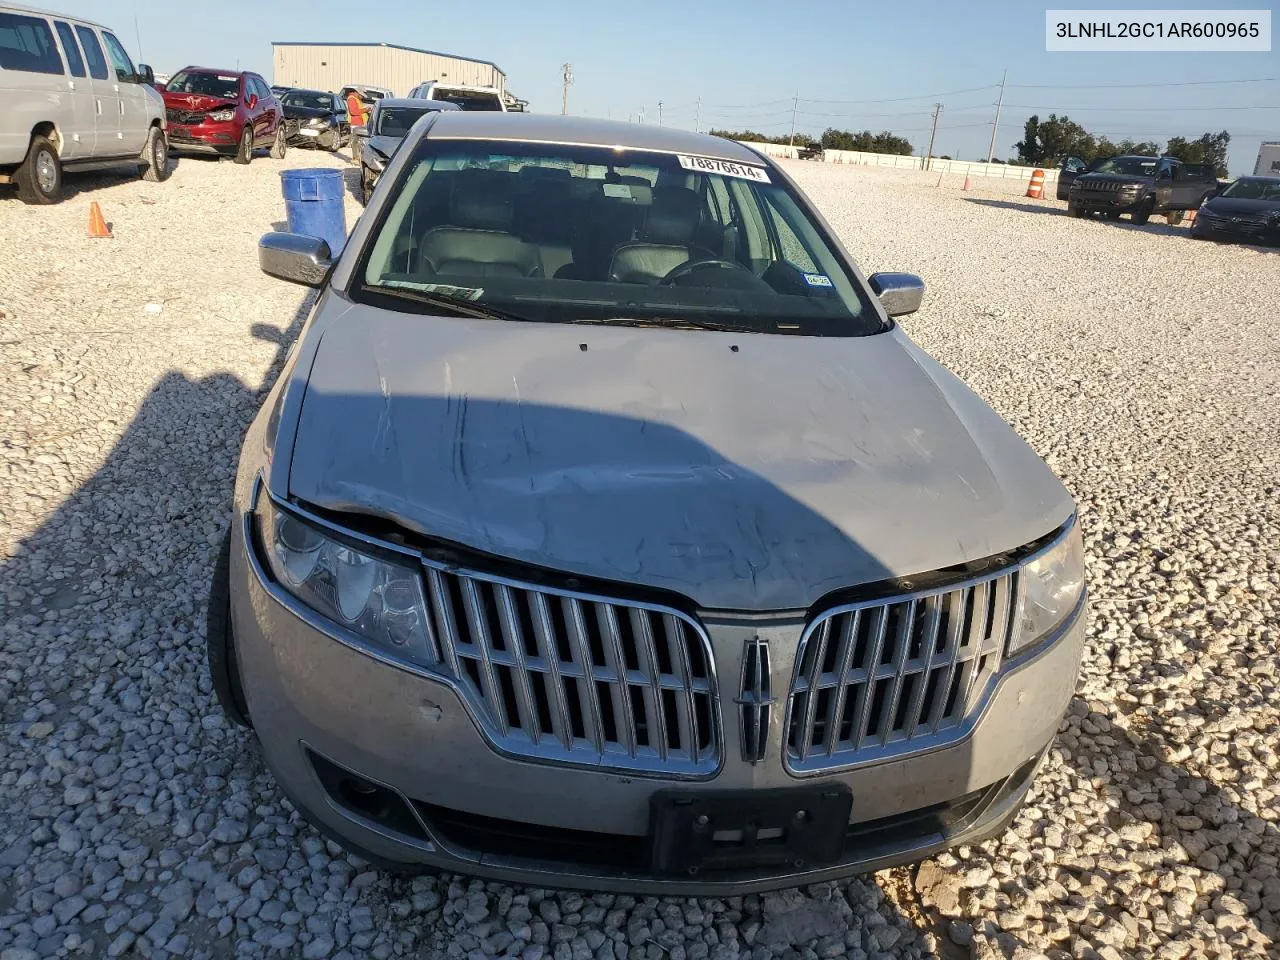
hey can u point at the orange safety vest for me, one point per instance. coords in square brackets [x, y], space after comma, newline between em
[356, 109]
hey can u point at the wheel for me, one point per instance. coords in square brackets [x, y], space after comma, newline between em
[220, 648]
[244, 155]
[1075, 210]
[1175, 217]
[1143, 213]
[39, 179]
[155, 157]
[279, 145]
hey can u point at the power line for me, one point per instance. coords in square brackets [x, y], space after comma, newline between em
[1119, 86]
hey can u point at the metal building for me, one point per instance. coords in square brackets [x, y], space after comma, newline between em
[331, 66]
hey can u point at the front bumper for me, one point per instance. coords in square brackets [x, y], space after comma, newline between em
[391, 764]
[1106, 202]
[1239, 231]
[211, 137]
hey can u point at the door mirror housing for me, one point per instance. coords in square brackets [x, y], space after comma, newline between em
[145, 75]
[296, 258]
[899, 293]
[251, 101]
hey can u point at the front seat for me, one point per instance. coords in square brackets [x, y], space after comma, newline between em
[666, 239]
[478, 241]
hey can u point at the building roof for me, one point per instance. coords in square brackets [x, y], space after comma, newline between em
[544, 128]
[392, 46]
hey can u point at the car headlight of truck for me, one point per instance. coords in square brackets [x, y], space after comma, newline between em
[376, 598]
[1051, 588]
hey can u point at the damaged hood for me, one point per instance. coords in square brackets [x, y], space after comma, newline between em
[759, 478]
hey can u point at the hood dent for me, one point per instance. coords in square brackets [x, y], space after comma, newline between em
[754, 480]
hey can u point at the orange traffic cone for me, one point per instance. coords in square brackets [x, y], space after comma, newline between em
[968, 183]
[1035, 189]
[97, 225]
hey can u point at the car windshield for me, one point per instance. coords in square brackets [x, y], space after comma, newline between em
[308, 99]
[1133, 166]
[224, 85]
[468, 100]
[585, 234]
[396, 121]
[1249, 188]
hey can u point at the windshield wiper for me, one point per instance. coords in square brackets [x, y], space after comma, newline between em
[451, 306]
[672, 323]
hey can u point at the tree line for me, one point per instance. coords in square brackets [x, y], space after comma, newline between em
[831, 139]
[1049, 142]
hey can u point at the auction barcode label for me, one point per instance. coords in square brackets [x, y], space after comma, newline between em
[1158, 30]
[725, 168]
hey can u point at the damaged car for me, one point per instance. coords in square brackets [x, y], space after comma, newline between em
[388, 125]
[605, 529]
[316, 118]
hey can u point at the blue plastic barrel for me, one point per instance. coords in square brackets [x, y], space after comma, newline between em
[313, 203]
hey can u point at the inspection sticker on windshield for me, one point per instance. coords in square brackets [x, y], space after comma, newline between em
[726, 168]
[817, 280]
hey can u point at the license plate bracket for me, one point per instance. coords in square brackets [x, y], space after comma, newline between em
[701, 831]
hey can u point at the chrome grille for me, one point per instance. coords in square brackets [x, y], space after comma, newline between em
[565, 677]
[184, 116]
[887, 677]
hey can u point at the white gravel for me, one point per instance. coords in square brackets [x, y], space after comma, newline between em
[1144, 366]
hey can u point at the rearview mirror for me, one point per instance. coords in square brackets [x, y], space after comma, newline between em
[296, 258]
[899, 293]
[145, 75]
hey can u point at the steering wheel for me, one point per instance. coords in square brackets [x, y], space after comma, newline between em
[689, 266]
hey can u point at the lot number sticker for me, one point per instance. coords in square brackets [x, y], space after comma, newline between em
[725, 168]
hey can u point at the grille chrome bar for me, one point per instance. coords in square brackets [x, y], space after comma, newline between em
[563, 677]
[882, 678]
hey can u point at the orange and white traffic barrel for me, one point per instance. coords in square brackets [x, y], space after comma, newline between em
[1035, 189]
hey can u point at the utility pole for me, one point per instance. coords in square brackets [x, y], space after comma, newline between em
[567, 73]
[996, 126]
[659, 113]
[697, 118]
[937, 109]
[791, 140]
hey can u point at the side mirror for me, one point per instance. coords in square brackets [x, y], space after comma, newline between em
[251, 101]
[294, 257]
[145, 75]
[899, 293]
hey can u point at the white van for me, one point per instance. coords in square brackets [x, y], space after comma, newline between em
[72, 100]
[465, 96]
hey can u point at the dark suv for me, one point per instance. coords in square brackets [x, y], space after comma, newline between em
[1138, 186]
[223, 112]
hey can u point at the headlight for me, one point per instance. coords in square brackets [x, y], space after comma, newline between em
[378, 599]
[318, 122]
[227, 114]
[1051, 587]
[373, 159]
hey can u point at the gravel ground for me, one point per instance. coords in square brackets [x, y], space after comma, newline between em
[1142, 365]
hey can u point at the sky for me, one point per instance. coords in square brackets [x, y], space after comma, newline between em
[732, 65]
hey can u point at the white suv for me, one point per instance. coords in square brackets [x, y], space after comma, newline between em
[73, 101]
[465, 96]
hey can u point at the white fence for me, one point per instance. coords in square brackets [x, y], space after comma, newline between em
[968, 168]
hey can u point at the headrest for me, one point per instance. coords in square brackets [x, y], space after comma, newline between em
[673, 216]
[481, 200]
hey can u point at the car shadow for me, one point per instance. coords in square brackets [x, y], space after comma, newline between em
[75, 184]
[351, 180]
[1155, 225]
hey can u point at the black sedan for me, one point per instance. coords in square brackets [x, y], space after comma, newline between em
[316, 118]
[388, 125]
[1247, 211]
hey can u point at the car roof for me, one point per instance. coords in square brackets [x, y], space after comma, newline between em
[22, 8]
[322, 93]
[442, 106]
[541, 128]
[225, 73]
